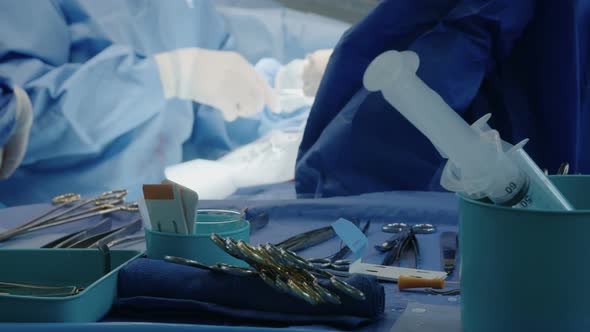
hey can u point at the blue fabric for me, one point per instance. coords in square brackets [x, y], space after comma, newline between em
[151, 288]
[100, 119]
[525, 62]
[7, 113]
[266, 29]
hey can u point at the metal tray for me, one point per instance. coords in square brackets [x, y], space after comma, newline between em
[81, 267]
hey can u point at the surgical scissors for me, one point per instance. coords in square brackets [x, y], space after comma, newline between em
[219, 267]
[404, 238]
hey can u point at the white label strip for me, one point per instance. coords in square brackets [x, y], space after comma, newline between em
[392, 273]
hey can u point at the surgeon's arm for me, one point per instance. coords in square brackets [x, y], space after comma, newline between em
[79, 107]
[16, 116]
[7, 113]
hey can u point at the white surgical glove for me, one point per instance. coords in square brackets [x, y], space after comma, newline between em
[224, 80]
[313, 70]
[289, 87]
[13, 152]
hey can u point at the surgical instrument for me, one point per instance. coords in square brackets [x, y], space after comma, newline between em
[309, 239]
[454, 291]
[287, 272]
[331, 264]
[416, 228]
[126, 240]
[564, 169]
[63, 242]
[434, 286]
[131, 207]
[448, 246]
[336, 261]
[405, 282]
[109, 197]
[405, 238]
[396, 239]
[47, 217]
[24, 289]
[396, 248]
[97, 207]
[122, 232]
[62, 201]
[258, 222]
[346, 250]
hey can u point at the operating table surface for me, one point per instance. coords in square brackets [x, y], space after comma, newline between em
[290, 216]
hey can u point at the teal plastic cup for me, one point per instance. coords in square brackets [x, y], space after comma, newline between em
[526, 269]
[199, 246]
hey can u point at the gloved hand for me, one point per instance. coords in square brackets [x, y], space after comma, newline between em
[13, 152]
[224, 80]
[313, 70]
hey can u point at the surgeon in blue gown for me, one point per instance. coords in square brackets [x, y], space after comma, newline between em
[100, 95]
[525, 62]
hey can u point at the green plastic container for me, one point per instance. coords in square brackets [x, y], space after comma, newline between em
[199, 246]
[526, 270]
[79, 267]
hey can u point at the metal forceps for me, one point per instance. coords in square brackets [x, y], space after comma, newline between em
[61, 201]
[114, 196]
[110, 197]
[107, 208]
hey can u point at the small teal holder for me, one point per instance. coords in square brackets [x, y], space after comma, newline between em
[199, 246]
[526, 270]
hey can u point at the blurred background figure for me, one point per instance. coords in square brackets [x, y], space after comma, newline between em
[525, 62]
[98, 95]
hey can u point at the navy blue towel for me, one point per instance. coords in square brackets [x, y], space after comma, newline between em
[153, 289]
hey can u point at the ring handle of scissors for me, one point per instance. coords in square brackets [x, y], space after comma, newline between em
[111, 195]
[131, 207]
[66, 198]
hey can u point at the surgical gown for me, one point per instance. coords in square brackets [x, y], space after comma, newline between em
[101, 121]
[524, 62]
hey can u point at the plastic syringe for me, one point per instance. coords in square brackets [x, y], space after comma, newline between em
[484, 168]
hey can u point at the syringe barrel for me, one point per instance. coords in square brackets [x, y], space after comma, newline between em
[428, 112]
[482, 163]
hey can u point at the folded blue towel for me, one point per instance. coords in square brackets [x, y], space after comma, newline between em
[153, 289]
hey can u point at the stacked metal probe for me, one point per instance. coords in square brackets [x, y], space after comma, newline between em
[281, 269]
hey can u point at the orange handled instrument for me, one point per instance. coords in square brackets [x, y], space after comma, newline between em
[404, 282]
